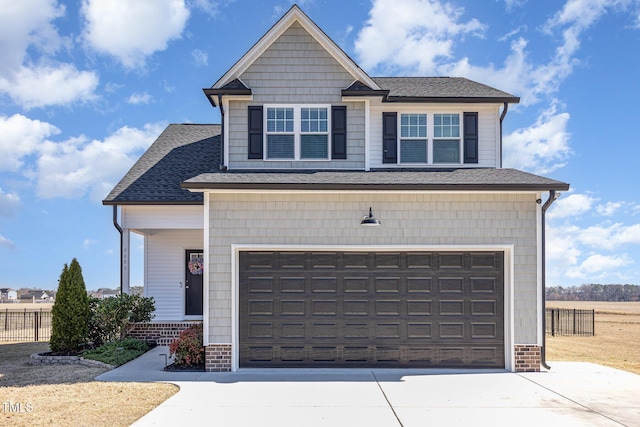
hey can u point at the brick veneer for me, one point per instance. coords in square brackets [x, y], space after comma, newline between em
[160, 332]
[527, 358]
[218, 358]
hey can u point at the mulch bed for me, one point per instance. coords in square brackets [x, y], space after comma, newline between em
[180, 368]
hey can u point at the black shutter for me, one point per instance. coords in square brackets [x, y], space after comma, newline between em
[339, 132]
[389, 137]
[255, 132]
[471, 137]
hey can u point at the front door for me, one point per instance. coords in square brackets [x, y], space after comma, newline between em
[193, 286]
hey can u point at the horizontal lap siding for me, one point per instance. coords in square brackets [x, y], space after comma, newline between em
[408, 219]
[165, 269]
[296, 69]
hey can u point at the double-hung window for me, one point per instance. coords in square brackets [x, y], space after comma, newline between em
[429, 138]
[413, 138]
[297, 132]
[446, 138]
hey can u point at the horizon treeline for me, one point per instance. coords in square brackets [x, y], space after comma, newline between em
[594, 292]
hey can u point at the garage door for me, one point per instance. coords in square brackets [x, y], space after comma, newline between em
[371, 309]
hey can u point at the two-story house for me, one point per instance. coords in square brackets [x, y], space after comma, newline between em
[333, 219]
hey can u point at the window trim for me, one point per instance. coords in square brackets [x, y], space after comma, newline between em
[297, 132]
[431, 137]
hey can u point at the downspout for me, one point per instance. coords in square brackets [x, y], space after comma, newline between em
[504, 113]
[115, 223]
[543, 356]
[222, 165]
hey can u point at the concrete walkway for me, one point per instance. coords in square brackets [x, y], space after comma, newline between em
[571, 394]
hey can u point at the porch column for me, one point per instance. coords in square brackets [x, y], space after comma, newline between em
[126, 259]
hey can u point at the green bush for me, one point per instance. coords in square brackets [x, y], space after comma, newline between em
[108, 353]
[188, 348]
[70, 312]
[111, 318]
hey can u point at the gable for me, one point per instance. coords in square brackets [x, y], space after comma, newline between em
[295, 17]
[296, 68]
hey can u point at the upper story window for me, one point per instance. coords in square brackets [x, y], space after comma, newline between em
[421, 143]
[297, 132]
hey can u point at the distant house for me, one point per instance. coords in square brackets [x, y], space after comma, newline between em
[35, 296]
[109, 293]
[8, 294]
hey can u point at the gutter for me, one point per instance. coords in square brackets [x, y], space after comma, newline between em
[543, 357]
[120, 230]
[504, 113]
[222, 166]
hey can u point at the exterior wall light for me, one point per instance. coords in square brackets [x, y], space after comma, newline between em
[370, 221]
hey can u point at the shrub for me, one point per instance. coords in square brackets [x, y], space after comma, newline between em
[109, 353]
[188, 348]
[70, 312]
[111, 318]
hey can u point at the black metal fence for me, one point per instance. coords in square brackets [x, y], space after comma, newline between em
[27, 325]
[567, 321]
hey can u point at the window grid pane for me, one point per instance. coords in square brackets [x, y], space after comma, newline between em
[314, 120]
[413, 125]
[446, 126]
[279, 120]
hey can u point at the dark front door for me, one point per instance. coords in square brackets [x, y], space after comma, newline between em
[372, 309]
[193, 282]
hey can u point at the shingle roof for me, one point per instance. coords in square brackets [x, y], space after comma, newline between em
[434, 89]
[181, 152]
[476, 179]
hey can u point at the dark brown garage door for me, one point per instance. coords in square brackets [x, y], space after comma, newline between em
[371, 309]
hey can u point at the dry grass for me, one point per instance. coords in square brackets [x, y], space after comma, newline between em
[617, 336]
[67, 395]
[30, 306]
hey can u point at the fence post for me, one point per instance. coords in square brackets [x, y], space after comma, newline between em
[593, 322]
[553, 323]
[574, 321]
[36, 327]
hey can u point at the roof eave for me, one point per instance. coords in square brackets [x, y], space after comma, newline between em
[372, 92]
[373, 187]
[150, 203]
[452, 99]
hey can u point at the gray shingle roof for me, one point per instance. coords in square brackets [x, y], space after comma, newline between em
[476, 179]
[432, 88]
[181, 152]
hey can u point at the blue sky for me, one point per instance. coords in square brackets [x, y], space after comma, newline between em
[86, 86]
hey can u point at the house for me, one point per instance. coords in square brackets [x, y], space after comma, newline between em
[35, 295]
[8, 295]
[334, 219]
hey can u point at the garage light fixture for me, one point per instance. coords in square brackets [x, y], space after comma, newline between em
[370, 221]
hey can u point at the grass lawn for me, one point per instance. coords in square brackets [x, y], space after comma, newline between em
[617, 336]
[67, 395]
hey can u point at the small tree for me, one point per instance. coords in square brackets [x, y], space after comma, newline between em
[70, 312]
[111, 318]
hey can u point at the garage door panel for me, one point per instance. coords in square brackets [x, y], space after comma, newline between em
[394, 309]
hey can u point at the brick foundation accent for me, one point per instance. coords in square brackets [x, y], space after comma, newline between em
[527, 358]
[160, 332]
[218, 358]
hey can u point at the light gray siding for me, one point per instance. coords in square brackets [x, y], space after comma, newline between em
[408, 219]
[296, 69]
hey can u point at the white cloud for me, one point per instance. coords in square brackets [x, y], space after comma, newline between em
[139, 98]
[28, 74]
[77, 166]
[609, 236]
[609, 209]
[594, 267]
[132, 31]
[6, 243]
[571, 206]
[87, 243]
[200, 58]
[46, 85]
[210, 7]
[21, 137]
[9, 203]
[411, 36]
[541, 148]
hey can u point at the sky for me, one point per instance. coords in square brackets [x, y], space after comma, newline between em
[86, 86]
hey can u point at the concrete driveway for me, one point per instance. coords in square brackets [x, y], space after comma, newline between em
[571, 394]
